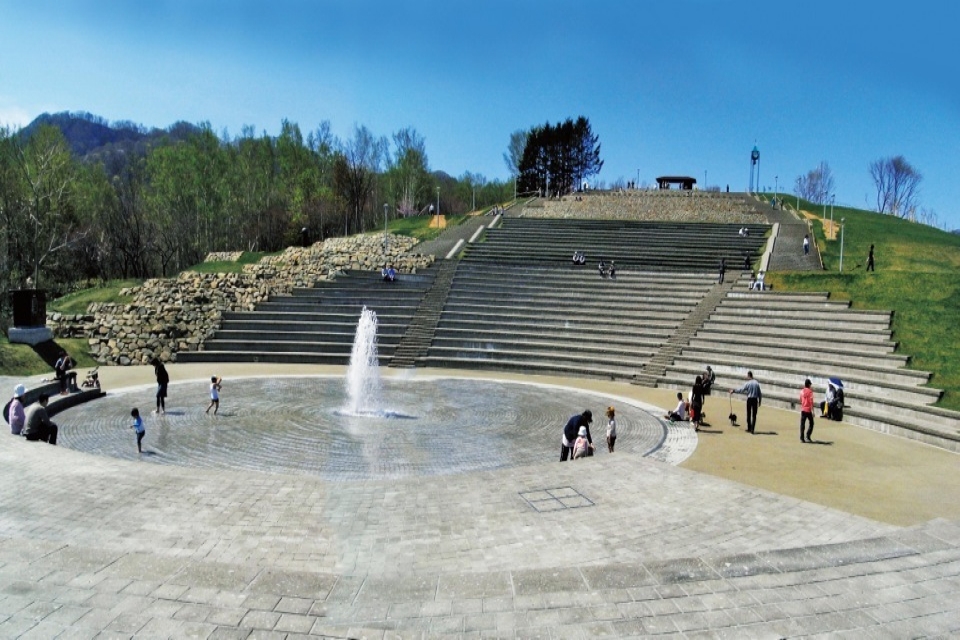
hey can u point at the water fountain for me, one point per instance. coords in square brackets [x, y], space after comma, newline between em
[363, 375]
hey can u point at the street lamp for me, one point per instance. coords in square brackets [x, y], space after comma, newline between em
[386, 239]
[438, 209]
[842, 220]
[704, 179]
[637, 184]
[776, 190]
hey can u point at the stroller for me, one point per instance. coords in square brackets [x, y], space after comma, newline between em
[93, 379]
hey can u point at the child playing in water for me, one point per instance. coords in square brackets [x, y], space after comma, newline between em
[137, 426]
[611, 428]
[214, 395]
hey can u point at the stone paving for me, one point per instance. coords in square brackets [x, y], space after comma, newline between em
[620, 545]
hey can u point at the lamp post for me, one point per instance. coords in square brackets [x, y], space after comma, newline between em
[842, 220]
[776, 190]
[438, 209]
[386, 238]
[704, 179]
[637, 184]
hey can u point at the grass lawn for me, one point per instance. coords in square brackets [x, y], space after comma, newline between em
[77, 302]
[419, 226]
[916, 277]
[23, 360]
[248, 257]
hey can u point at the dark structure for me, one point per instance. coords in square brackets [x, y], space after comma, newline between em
[685, 182]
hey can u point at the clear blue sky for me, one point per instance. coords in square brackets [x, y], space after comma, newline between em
[678, 87]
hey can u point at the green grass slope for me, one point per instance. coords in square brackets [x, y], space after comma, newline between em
[916, 276]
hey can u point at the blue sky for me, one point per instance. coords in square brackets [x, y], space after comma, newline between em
[678, 87]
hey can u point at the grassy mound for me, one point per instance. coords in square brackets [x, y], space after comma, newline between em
[916, 277]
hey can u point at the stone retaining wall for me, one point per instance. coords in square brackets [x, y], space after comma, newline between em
[660, 206]
[166, 316]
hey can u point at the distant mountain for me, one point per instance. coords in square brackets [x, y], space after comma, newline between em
[91, 136]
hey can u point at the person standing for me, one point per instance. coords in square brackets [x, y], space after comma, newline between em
[16, 414]
[214, 395]
[723, 270]
[870, 260]
[751, 388]
[806, 244]
[806, 409]
[611, 428]
[696, 403]
[163, 379]
[37, 425]
[137, 426]
[572, 430]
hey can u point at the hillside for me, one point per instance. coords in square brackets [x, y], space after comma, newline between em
[90, 136]
[916, 277]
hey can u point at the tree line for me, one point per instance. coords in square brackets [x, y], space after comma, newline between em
[125, 211]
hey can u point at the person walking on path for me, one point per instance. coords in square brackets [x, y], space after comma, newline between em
[37, 425]
[870, 260]
[806, 409]
[751, 388]
[137, 426]
[611, 428]
[723, 270]
[214, 395]
[163, 379]
[17, 415]
[806, 244]
[572, 430]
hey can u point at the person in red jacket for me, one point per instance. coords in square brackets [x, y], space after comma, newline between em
[806, 409]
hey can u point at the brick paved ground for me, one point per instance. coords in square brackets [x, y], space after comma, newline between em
[94, 546]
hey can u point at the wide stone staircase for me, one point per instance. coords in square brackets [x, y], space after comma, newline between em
[561, 320]
[415, 342]
[785, 338]
[317, 325]
[646, 246]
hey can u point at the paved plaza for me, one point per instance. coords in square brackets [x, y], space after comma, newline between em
[748, 537]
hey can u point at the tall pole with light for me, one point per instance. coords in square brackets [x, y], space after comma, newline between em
[438, 208]
[386, 238]
[776, 190]
[637, 185]
[842, 220]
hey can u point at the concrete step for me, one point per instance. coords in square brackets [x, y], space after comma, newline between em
[269, 356]
[857, 391]
[600, 334]
[533, 367]
[592, 318]
[811, 326]
[850, 371]
[778, 349]
[800, 337]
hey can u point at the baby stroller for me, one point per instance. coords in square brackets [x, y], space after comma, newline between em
[832, 407]
[93, 379]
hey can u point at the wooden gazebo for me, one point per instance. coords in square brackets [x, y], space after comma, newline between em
[685, 182]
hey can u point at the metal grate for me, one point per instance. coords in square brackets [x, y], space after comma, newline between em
[556, 499]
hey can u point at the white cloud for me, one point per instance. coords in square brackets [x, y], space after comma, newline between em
[13, 116]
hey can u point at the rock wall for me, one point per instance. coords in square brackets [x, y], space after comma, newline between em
[166, 316]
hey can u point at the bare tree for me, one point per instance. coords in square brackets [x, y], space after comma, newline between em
[817, 185]
[898, 186]
[514, 153]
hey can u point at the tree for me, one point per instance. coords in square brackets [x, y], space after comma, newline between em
[44, 177]
[355, 169]
[817, 185]
[558, 158]
[898, 186]
[408, 175]
[514, 153]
